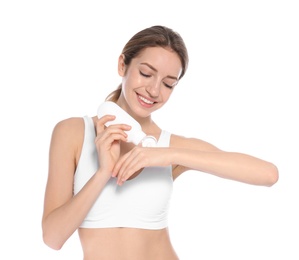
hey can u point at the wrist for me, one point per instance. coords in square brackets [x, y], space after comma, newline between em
[103, 175]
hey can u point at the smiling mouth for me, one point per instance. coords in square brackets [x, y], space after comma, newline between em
[146, 101]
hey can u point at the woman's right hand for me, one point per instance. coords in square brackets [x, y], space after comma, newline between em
[108, 142]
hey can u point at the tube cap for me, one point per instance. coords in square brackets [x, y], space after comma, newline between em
[149, 141]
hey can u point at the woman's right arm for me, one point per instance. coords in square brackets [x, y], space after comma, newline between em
[63, 212]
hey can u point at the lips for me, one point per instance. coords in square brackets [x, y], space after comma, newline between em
[145, 101]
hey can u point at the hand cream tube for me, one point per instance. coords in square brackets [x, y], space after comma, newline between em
[135, 134]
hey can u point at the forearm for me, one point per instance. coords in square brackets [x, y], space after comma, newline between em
[229, 165]
[62, 222]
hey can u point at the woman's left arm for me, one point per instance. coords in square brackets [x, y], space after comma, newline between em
[195, 154]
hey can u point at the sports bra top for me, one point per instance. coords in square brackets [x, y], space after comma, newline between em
[141, 202]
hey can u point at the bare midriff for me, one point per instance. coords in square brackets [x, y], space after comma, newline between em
[126, 244]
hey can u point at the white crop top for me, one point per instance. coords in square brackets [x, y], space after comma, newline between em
[141, 202]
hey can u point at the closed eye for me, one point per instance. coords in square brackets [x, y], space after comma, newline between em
[148, 76]
[144, 75]
[168, 86]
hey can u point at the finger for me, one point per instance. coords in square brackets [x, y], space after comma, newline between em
[112, 128]
[108, 137]
[127, 172]
[100, 122]
[131, 165]
[119, 164]
[111, 138]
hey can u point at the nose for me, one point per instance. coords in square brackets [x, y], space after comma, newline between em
[153, 89]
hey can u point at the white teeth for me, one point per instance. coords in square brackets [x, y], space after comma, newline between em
[146, 101]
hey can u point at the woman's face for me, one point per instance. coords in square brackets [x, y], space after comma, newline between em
[148, 81]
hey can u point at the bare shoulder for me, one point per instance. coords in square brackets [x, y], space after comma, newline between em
[69, 128]
[178, 141]
[72, 125]
[68, 135]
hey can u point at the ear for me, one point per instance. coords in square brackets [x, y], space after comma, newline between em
[121, 65]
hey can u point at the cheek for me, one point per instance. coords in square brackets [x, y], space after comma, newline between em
[165, 94]
[126, 83]
[131, 80]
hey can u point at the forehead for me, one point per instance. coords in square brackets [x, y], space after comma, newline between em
[162, 59]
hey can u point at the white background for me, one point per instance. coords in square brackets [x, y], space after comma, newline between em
[58, 59]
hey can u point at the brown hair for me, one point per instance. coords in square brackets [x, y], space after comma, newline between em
[155, 36]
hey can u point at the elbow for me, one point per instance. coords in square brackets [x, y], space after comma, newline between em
[51, 240]
[272, 175]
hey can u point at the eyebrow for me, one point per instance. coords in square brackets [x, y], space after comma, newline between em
[154, 69]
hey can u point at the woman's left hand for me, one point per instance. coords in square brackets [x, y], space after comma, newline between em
[138, 158]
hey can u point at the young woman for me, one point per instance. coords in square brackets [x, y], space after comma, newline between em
[116, 194]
